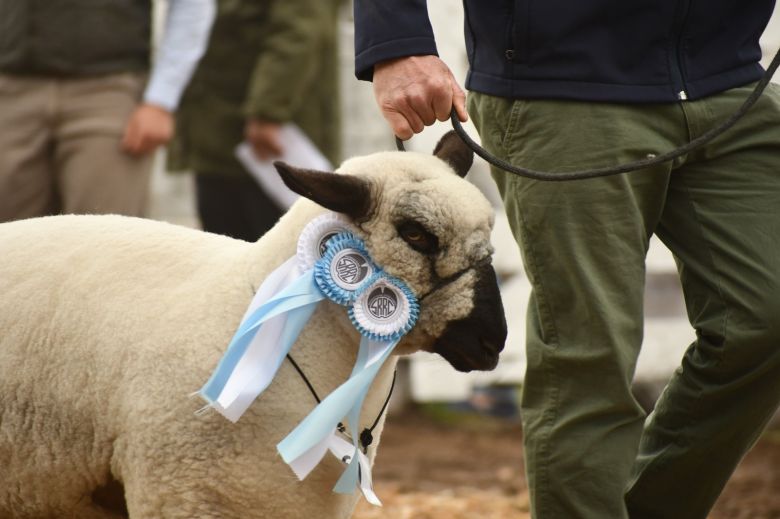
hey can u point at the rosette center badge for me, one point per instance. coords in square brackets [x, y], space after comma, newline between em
[322, 245]
[350, 268]
[382, 303]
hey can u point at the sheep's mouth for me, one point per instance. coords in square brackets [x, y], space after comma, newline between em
[466, 349]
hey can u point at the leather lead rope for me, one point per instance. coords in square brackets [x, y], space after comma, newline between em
[620, 168]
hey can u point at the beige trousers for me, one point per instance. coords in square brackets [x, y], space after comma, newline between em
[60, 147]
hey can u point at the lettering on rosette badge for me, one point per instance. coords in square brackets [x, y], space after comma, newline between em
[382, 303]
[352, 268]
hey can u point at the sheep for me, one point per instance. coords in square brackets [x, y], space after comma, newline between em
[109, 323]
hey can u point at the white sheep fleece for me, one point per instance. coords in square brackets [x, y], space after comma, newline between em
[109, 323]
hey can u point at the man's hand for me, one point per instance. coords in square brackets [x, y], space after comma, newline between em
[415, 91]
[149, 126]
[263, 136]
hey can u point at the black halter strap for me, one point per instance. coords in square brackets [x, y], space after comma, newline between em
[366, 436]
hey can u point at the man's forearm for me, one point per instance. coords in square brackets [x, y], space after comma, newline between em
[386, 30]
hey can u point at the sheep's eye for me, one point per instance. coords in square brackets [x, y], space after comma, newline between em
[418, 237]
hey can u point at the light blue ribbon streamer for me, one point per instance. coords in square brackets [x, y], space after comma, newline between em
[324, 418]
[294, 323]
[301, 293]
[350, 478]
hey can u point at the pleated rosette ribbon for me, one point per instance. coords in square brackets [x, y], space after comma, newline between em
[331, 263]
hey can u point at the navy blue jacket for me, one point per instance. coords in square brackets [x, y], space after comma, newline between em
[594, 50]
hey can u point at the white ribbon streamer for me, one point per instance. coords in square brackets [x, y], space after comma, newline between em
[254, 373]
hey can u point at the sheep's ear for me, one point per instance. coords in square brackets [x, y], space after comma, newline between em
[452, 150]
[345, 194]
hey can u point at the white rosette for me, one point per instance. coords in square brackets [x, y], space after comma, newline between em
[385, 310]
[312, 240]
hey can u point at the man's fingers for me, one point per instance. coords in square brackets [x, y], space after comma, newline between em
[140, 142]
[419, 101]
[131, 139]
[415, 91]
[147, 143]
[459, 100]
[442, 105]
[149, 127]
[415, 122]
[399, 125]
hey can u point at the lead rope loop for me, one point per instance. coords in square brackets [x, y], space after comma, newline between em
[620, 168]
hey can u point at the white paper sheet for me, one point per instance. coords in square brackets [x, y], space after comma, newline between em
[298, 151]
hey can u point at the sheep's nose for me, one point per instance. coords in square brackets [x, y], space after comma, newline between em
[494, 328]
[475, 341]
[492, 346]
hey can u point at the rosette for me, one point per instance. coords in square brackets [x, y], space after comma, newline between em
[344, 269]
[385, 310]
[314, 237]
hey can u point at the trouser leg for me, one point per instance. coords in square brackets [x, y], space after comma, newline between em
[722, 222]
[583, 245]
[94, 174]
[27, 187]
[234, 206]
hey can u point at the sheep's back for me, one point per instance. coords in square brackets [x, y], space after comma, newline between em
[109, 323]
[102, 318]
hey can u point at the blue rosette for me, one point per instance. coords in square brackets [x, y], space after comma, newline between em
[345, 269]
[385, 310]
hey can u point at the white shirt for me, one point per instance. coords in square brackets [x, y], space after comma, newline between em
[183, 42]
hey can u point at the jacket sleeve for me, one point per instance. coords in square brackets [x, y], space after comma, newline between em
[184, 41]
[387, 29]
[287, 63]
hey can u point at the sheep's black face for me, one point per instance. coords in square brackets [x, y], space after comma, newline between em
[474, 342]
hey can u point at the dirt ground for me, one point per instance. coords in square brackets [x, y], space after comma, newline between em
[430, 469]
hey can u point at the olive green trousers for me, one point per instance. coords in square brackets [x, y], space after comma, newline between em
[590, 452]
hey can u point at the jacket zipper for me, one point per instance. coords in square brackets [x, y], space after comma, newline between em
[678, 75]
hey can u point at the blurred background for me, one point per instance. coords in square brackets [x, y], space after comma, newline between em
[452, 446]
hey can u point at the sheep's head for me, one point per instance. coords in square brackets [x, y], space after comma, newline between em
[427, 226]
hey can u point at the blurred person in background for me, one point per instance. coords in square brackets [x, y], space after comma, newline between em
[79, 121]
[267, 64]
[566, 85]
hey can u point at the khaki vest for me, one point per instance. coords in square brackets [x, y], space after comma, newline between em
[74, 37]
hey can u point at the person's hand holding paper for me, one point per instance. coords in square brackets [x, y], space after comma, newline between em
[263, 136]
[266, 142]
